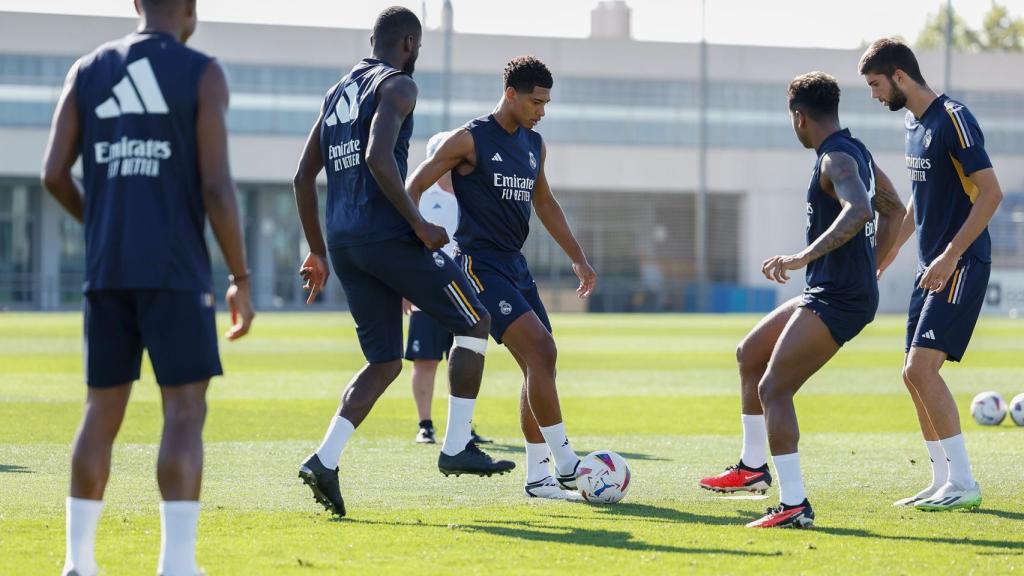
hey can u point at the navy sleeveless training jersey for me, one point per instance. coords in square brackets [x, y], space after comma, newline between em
[845, 276]
[944, 147]
[358, 212]
[495, 198]
[144, 217]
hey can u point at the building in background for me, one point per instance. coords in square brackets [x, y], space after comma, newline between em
[621, 133]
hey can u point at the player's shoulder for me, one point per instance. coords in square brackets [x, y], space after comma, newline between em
[958, 112]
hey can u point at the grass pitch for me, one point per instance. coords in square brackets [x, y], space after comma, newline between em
[661, 390]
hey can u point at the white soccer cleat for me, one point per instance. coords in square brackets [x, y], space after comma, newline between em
[952, 497]
[550, 489]
[922, 495]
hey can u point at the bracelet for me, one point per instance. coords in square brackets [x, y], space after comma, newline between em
[233, 279]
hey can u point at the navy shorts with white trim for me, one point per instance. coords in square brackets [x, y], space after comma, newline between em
[945, 320]
[505, 287]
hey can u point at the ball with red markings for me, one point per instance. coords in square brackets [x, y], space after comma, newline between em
[603, 477]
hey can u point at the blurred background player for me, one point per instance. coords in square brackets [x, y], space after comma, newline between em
[383, 250]
[795, 340]
[147, 116]
[497, 166]
[955, 192]
[428, 341]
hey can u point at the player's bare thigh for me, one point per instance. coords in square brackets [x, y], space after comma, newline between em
[757, 346]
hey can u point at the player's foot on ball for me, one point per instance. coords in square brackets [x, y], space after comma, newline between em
[549, 488]
[472, 460]
[739, 478]
[426, 433]
[478, 439]
[323, 481]
[922, 495]
[782, 516]
[952, 497]
[568, 481]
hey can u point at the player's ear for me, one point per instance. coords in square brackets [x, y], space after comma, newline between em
[510, 93]
[138, 7]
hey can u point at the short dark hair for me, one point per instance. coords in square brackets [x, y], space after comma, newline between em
[887, 55]
[524, 73]
[394, 24]
[815, 94]
[157, 5]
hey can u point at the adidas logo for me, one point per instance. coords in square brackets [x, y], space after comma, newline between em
[929, 335]
[136, 93]
[496, 157]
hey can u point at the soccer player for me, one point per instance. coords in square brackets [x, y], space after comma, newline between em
[383, 250]
[955, 194]
[497, 168]
[147, 116]
[428, 341]
[795, 340]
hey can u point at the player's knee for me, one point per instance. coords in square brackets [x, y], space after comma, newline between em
[482, 328]
[768, 389]
[746, 358]
[185, 412]
[917, 374]
[388, 371]
[544, 352]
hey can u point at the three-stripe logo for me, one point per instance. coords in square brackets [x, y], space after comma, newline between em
[137, 93]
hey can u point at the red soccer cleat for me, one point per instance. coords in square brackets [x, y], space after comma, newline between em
[782, 516]
[739, 478]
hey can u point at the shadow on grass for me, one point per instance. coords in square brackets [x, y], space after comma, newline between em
[861, 533]
[660, 513]
[513, 448]
[1001, 513]
[539, 532]
[14, 469]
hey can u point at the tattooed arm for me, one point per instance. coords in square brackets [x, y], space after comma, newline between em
[839, 178]
[891, 214]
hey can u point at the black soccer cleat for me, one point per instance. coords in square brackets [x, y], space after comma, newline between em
[323, 481]
[568, 482]
[474, 461]
[426, 433]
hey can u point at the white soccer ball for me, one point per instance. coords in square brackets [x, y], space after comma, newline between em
[603, 477]
[988, 409]
[1017, 409]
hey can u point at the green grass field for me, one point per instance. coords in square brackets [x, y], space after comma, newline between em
[661, 390]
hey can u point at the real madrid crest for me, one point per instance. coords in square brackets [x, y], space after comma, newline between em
[533, 161]
[927, 138]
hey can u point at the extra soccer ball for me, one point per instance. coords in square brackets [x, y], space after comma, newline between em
[1017, 409]
[988, 409]
[603, 477]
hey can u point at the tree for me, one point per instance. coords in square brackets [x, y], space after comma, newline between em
[999, 31]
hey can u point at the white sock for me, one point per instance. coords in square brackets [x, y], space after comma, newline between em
[755, 440]
[460, 425]
[82, 517]
[558, 442]
[178, 520]
[940, 466]
[538, 457]
[791, 481]
[959, 464]
[334, 442]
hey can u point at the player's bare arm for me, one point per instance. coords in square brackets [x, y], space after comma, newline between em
[457, 152]
[314, 269]
[219, 195]
[839, 176]
[551, 215]
[62, 151]
[990, 195]
[397, 101]
[906, 230]
[891, 214]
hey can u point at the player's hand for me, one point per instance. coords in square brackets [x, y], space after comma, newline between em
[315, 272]
[433, 236]
[406, 307]
[938, 272]
[239, 299]
[587, 276]
[776, 267]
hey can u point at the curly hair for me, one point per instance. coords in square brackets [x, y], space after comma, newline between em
[394, 24]
[524, 73]
[815, 94]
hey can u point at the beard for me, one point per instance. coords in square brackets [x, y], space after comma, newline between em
[897, 100]
[410, 66]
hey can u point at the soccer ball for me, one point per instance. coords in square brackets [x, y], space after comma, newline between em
[988, 409]
[1017, 409]
[603, 477]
